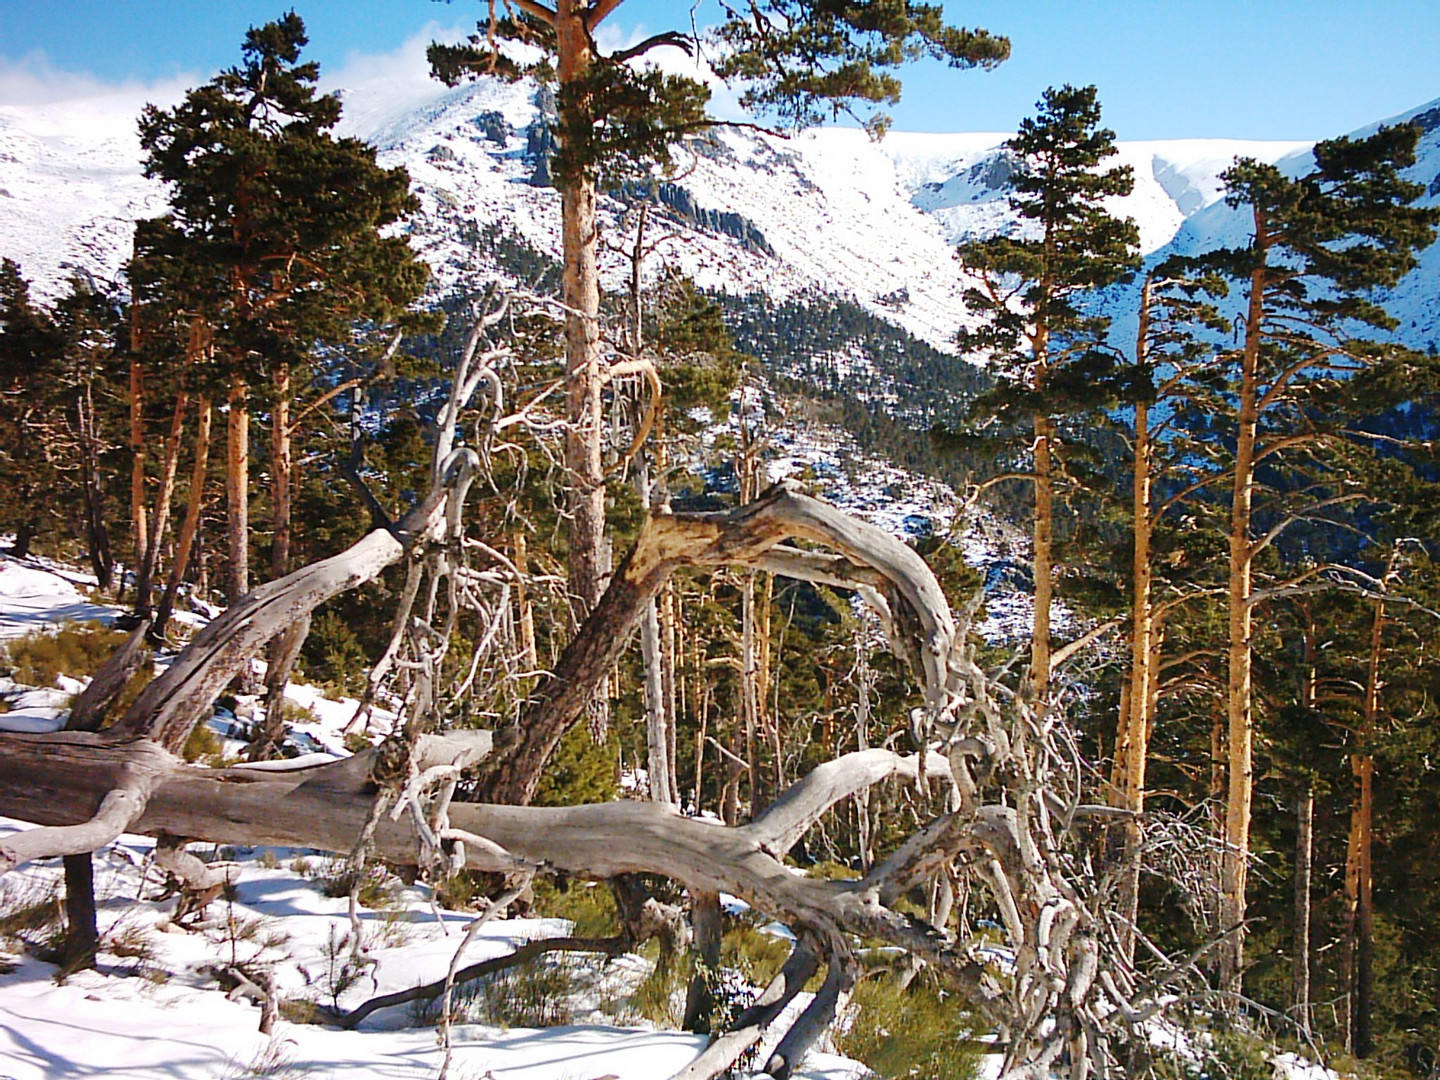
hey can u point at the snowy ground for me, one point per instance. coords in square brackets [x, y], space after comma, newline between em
[154, 1007]
[160, 1013]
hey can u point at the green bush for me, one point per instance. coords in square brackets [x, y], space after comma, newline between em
[74, 649]
[589, 907]
[332, 656]
[918, 1031]
[536, 994]
[1228, 1054]
[579, 772]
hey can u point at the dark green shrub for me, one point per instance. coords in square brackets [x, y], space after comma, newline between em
[919, 1031]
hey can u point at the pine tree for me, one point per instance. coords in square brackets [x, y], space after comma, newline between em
[279, 224]
[1045, 351]
[796, 58]
[1319, 245]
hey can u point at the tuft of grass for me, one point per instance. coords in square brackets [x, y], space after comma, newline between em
[272, 1062]
[131, 943]
[299, 1010]
[756, 956]
[202, 745]
[537, 994]
[660, 996]
[32, 916]
[918, 1032]
[395, 929]
[292, 712]
[336, 877]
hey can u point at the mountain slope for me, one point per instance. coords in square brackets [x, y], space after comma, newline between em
[827, 210]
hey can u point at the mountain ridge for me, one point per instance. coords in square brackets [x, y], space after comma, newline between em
[828, 209]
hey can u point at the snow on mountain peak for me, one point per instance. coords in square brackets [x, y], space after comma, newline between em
[828, 209]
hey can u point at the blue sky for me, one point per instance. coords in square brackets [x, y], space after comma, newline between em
[1282, 69]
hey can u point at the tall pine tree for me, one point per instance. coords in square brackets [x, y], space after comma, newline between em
[1318, 247]
[280, 225]
[1046, 352]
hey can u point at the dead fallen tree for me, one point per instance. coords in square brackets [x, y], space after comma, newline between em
[1004, 777]
[1005, 784]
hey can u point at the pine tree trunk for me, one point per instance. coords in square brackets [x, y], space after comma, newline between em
[1239, 706]
[749, 706]
[24, 537]
[580, 290]
[164, 496]
[1304, 846]
[770, 717]
[97, 536]
[1132, 740]
[1363, 765]
[191, 526]
[237, 491]
[1304, 852]
[669, 643]
[700, 999]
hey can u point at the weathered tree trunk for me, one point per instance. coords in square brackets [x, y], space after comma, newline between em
[530, 655]
[82, 930]
[283, 651]
[137, 446]
[193, 507]
[1042, 537]
[863, 679]
[1008, 828]
[1238, 700]
[237, 491]
[657, 727]
[746, 537]
[97, 535]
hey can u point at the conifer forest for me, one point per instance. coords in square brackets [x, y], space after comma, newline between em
[601, 630]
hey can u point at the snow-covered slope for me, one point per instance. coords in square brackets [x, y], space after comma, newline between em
[829, 209]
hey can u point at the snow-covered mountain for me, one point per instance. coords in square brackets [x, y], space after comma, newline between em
[828, 209]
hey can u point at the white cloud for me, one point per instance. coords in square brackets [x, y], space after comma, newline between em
[34, 80]
[404, 67]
